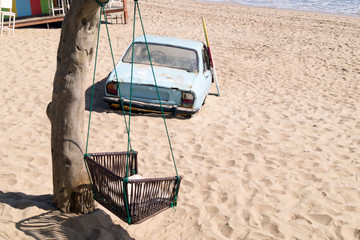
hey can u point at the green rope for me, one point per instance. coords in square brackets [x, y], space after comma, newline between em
[157, 90]
[174, 203]
[93, 85]
[116, 75]
[102, 4]
[131, 86]
[128, 125]
[88, 173]
[126, 181]
[102, 10]
[91, 105]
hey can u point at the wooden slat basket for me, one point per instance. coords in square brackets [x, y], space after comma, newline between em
[144, 197]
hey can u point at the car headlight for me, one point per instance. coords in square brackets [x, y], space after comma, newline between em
[111, 88]
[187, 98]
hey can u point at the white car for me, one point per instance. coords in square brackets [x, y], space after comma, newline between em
[181, 68]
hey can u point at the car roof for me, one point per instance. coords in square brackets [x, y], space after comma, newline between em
[184, 43]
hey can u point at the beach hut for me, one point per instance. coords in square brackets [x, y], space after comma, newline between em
[28, 8]
[32, 12]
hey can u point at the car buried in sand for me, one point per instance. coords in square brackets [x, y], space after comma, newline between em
[182, 73]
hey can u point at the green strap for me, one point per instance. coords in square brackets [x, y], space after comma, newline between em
[174, 203]
[93, 85]
[102, 10]
[91, 105]
[131, 87]
[125, 183]
[117, 78]
[157, 89]
[88, 173]
[128, 125]
[101, 4]
[125, 180]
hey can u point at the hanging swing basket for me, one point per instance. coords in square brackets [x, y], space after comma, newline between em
[132, 199]
[114, 176]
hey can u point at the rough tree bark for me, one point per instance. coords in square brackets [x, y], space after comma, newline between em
[71, 187]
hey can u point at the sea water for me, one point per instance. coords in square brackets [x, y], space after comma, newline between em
[347, 7]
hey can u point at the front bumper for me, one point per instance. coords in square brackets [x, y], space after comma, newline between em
[173, 109]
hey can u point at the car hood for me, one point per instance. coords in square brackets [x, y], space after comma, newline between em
[165, 77]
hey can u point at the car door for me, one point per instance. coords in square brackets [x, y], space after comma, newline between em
[208, 78]
[207, 64]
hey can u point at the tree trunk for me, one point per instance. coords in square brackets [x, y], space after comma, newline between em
[72, 190]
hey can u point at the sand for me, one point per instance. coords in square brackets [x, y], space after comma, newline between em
[275, 157]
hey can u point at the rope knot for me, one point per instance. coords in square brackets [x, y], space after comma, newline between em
[101, 4]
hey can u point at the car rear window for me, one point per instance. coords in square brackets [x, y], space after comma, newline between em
[164, 55]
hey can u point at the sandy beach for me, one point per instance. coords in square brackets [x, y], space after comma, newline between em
[277, 156]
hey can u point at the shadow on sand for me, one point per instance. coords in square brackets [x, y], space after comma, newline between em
[57, 225]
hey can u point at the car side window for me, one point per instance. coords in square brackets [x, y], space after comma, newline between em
[206, 59]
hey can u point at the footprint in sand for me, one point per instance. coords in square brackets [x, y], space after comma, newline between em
[197, 148]
[187, 183]
[250, 156]
[172, 218]
[210, 178]
[321, 218]
[198, 157]
[212, 210]
[40, 161]
[230, 163]
[223, 197]
[268, 224]
[244, 142]
[225, 229]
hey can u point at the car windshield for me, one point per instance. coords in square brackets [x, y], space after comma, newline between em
[164, 55]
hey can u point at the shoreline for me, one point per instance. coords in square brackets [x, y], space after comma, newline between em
[286, 9]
